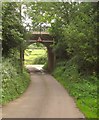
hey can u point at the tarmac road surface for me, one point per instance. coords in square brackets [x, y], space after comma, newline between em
[44, 98]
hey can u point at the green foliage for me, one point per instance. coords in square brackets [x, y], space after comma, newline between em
[13, 83]
[73, 26]
[40, 60]
[83, 89]
[12, 28]
[35, 56]
[79, 36]
[45, 67]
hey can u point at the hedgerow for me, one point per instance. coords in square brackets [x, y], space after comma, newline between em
[82, 88]
[13, 83]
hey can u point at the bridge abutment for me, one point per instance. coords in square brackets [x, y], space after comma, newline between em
[51, 59]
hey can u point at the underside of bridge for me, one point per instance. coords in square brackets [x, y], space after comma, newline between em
[47, 40]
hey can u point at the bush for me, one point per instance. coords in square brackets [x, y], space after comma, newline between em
[13, 83]
[40, 60]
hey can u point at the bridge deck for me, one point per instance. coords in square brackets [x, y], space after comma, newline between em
[42, 37]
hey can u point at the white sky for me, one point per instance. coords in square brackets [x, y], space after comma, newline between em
[28, 22]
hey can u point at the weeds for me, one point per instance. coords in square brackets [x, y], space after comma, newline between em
[83, 89]
[13, 83]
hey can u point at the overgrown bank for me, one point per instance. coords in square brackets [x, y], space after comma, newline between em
[13, 82]
[82, 88]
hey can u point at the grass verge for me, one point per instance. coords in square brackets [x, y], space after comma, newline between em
[83, 89]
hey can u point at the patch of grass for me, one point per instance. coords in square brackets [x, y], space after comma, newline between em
[83, 89]
[13, 83]
[35, 56]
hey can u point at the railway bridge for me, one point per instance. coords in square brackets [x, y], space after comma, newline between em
[47, 40]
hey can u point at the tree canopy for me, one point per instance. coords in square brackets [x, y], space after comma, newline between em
[74, 26]
[12, 27]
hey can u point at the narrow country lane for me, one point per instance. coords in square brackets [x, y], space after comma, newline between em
[44, 98]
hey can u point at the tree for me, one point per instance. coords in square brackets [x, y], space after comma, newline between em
[73, 26]
[12, 28]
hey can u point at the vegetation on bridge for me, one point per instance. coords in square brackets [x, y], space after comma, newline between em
[74, 27]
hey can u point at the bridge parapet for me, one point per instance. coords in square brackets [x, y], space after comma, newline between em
[43, 37]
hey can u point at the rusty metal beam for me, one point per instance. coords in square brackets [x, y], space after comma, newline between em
[43, 41]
